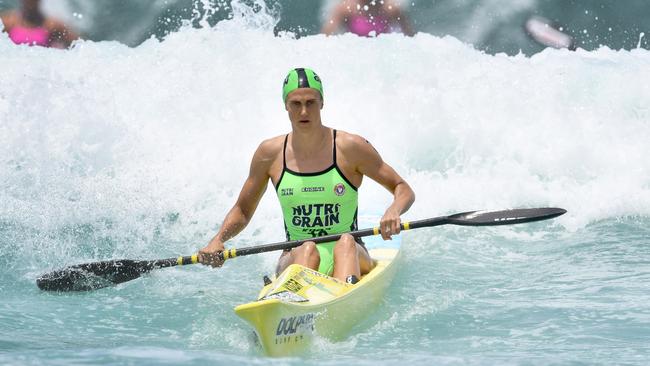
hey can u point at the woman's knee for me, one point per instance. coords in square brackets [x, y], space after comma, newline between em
[345, 246]
[306, 250]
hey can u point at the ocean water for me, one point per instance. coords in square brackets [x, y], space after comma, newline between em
[109, 151]
[493, 26]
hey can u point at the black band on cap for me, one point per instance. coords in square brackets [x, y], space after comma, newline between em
[303, 81]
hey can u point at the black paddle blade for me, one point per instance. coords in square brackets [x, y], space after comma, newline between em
[505, 217]
[92, 276]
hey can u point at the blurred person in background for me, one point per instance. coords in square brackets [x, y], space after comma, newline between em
[367, 18]
[28, 25]
[544, 32]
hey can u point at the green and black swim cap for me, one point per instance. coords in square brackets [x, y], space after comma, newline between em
[301, 78]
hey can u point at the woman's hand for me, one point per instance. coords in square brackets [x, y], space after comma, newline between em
[390, 223]
[211, 254]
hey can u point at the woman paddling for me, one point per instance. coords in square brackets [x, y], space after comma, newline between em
[367, 18]
[316, 171]
[30, 26]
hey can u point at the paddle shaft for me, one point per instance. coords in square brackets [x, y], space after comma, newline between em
[192, 259]
[234, 252]
[91, 276]
[471, 218]
[178, 261]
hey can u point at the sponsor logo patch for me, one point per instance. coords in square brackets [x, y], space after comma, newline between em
[313, 189]
[286, 192]
[339, 189]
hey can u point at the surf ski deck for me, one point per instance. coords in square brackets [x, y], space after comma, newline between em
[302, 303]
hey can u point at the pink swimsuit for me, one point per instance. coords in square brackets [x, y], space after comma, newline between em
[30, 36]
[362, 25]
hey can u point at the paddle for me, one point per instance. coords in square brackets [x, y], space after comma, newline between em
[91, 276]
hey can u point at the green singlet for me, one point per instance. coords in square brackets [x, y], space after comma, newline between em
[317, 204]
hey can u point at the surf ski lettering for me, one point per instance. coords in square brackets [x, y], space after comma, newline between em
[295, 324]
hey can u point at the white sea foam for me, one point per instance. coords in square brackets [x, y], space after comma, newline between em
[164, 132]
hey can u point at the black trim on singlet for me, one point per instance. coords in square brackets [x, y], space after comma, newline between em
[311, 174]
[345, 178]
[286, 232]
[339, 169]
[355, 225]
[284, 162]
[326, 170]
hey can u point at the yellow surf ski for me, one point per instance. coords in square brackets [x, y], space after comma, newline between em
[302, 303]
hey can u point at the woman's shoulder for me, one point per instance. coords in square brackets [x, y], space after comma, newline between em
[392, 8]
[350, 142]
[10, 19]
[272, 146]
